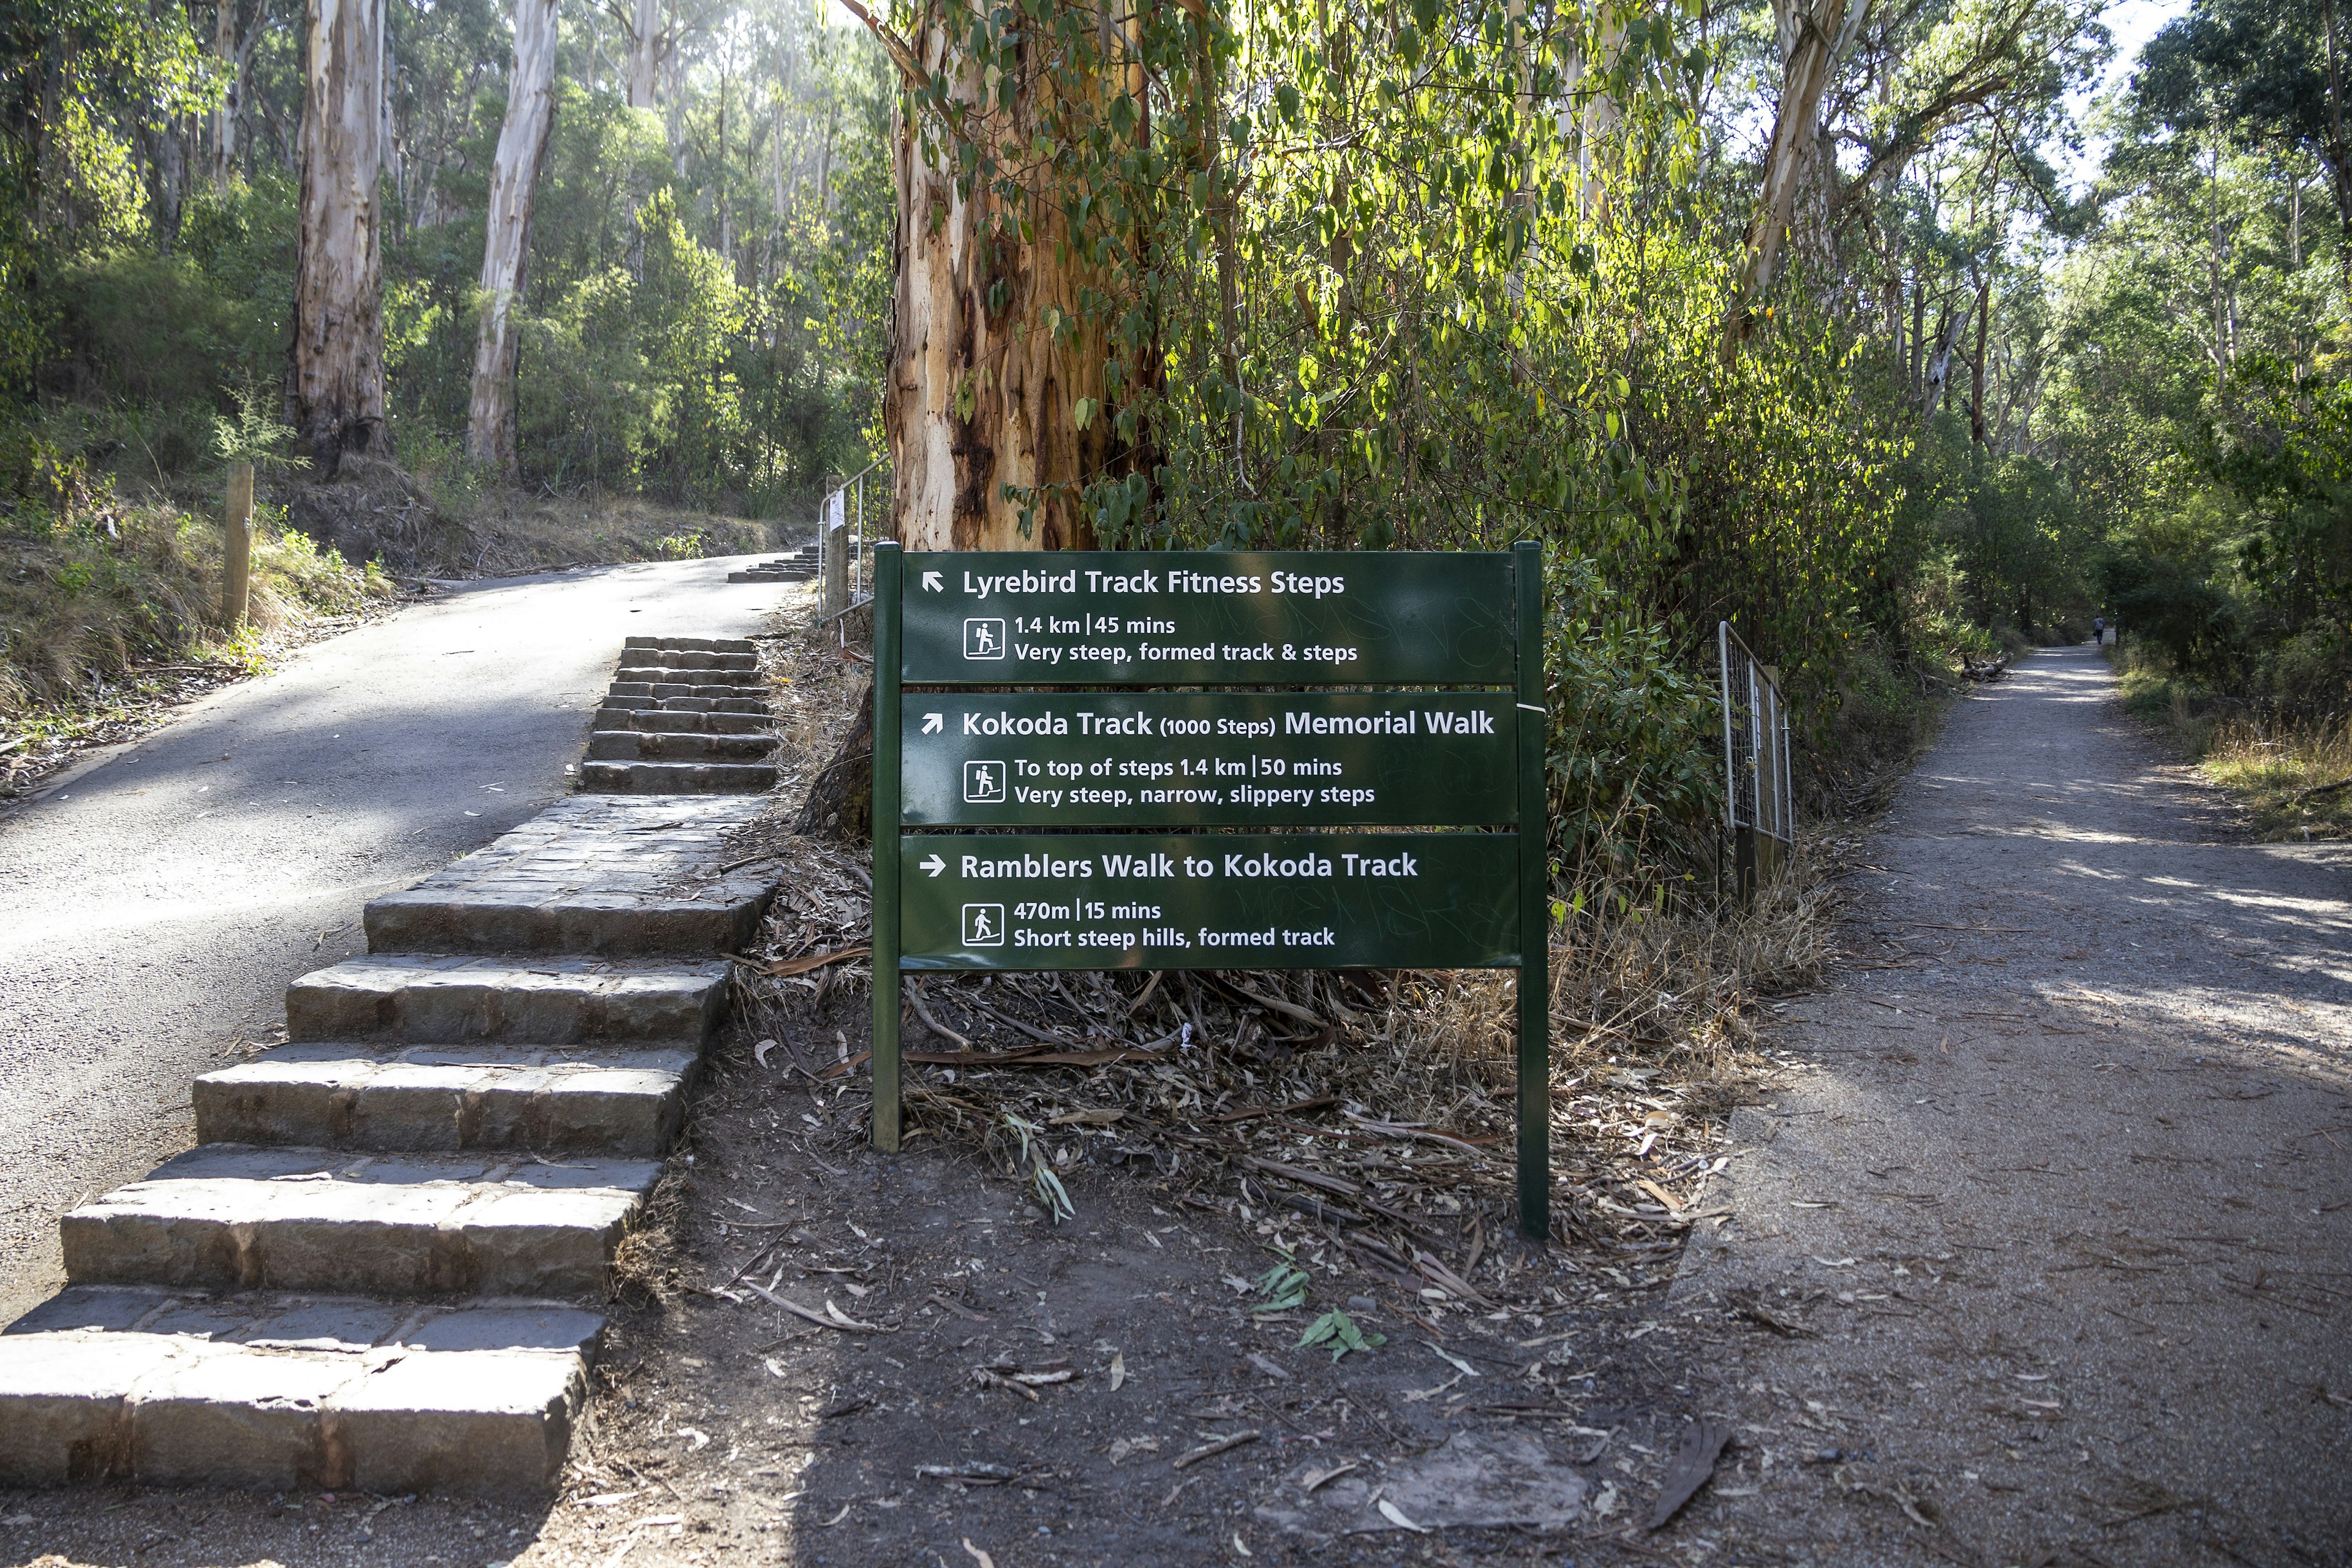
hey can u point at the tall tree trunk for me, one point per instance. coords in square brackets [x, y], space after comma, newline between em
[995, 408]
[224, 117]
[514, 179]
[1918, 327]
[1811, 33]
[1939, 379]
[645, 53]
[1977, 369]
[2339, 152]
[336, 400]
[1597, 124]
[168, 165]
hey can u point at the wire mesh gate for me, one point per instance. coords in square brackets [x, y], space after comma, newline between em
[1759, 804]
[840, 532]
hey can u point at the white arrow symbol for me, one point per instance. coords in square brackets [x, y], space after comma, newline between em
[932, 864]
[932, 722]
[931, 583]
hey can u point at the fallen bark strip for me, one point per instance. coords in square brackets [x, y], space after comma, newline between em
[1035, 1033]
[1398, 1130]
[1275, 1004]
[1256, 1111]
[840, 1324]
[1210, 1450]
[801, 965]
[915, 1000]
[1035, 1058]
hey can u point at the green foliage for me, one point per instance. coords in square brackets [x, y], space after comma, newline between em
[1338, 1332]
[1281, 1288]
[255, 434]
[2202, 398]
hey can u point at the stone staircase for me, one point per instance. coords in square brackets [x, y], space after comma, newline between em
[801, 566]
[684, 716]
[381, 1267]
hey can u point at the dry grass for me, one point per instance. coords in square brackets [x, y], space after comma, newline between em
[108, 620]
[1367, 1114]
[429, 524]
[510, 532]
[2295, 781]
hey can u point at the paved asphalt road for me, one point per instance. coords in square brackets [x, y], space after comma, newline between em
[152, 909]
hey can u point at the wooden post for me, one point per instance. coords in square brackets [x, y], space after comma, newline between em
[236, 555]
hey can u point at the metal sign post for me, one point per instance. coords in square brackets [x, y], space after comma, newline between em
[1333, 795]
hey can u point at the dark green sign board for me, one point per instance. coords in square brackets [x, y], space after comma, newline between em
[1225, 901]
[1166, 759]
[1452, 739]
[1209, 618]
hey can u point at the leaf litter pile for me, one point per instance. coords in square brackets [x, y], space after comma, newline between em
[1352, 1119]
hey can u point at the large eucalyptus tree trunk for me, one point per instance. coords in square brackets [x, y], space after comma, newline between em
[997, 408]
[336, 395]
[514, 177]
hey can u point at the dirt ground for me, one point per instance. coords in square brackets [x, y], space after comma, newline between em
[731, 1431]
[2032, 1253]
[2057, 1221]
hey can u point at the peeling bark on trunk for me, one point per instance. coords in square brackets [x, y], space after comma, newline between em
[514, 179]
[989, 354]
[336, 392]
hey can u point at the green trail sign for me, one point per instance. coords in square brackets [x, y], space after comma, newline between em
[1163, 759]
[1310, 782]
[1228, 900]
[1207, 618]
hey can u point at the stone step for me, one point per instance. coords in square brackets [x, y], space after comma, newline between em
[161, 1408]
[737, 681]
[428, 999]
[607, 875]
[280, 1320]
[676, 778]
[447, 1099]
[694, 645]
[630, 746]
[682, 722]
[234, 1216]
[745, 663]
[751, 705]
[672, 690]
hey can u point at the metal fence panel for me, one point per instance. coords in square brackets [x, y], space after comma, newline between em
[1756, 764]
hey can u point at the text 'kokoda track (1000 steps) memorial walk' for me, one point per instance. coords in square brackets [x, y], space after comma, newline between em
[1212, 759]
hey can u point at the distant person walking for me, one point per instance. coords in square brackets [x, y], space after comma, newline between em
[2099, 629]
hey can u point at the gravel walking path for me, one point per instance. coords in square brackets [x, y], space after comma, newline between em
[2045, 1251]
